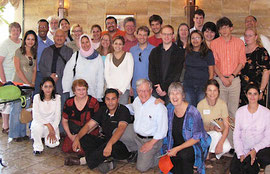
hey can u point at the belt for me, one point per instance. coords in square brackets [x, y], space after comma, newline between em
[143, 137]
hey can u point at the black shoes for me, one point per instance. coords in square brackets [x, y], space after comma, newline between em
[37, 153]
[107, 165]
[70, 161]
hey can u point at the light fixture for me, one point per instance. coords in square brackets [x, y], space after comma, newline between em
[63, 8]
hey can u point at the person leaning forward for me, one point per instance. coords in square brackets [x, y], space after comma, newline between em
[100, 151]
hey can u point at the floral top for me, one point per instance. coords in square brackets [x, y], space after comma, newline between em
[257, 62]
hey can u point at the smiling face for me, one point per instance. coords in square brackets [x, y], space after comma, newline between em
[250, 37]
[176, 97]
[142, 37]
[111, 25]
[53, 25]
[47, 88]
[30, 41]
[64, 25]
[15, 32]
[85, 43]
[252, 96]
[105, 41]
[155, 27]
[167, 35]
[43, 29]
[130, 28]
[111, 101]
[183, 32]
[198, 21]
[118, 45]
[250, 22]
[196, 41]
[96, 33]
[77, 32]
[225, 31]
[144, 92]
[212, 92]
[209, 35]
[59, 38]
[80, 91]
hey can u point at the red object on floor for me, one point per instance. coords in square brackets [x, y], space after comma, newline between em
[165, 164]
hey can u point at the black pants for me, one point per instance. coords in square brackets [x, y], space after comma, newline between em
[94, 146]
[183, 161]
[263, 158]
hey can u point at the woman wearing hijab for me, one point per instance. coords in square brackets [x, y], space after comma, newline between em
[85, 64]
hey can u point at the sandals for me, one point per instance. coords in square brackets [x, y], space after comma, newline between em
[5, 131]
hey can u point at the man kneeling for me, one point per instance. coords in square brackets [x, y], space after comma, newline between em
[100, 151]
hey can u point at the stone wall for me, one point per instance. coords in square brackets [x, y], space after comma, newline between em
[89, 12]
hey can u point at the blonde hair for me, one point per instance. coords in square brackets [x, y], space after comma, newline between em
[73, 27]
[258, 40]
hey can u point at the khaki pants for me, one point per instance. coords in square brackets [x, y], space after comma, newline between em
[231, 96]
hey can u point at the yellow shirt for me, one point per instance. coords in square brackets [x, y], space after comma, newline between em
[209, 113]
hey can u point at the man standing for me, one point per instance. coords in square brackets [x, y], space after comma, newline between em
[130, 28]
[53, 21]
[149, 128]
[251, 22]
[230, 58]
[113, 119]
[155, 22]
[198, 20]
[53, 60]
[165, 64]
[43, 42]
[140, 54]
[111, 25]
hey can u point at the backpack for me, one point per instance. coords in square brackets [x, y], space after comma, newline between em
[10, 92]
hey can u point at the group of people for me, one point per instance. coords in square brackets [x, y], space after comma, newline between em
[185, 90]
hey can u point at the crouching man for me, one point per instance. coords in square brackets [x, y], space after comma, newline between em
[101, 151]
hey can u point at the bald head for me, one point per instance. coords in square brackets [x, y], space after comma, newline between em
[250, 22]
[59, 38]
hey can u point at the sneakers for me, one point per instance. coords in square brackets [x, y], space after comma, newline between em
[107, 165]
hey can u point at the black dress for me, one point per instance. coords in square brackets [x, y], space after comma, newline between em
[257, 62]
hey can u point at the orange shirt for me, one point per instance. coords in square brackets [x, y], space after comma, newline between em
[118, 32]
[228, 55]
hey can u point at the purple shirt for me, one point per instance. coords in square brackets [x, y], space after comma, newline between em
[251, 130]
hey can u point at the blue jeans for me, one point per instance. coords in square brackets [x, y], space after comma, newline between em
[194, 94]
[16, 128]
[37, 82]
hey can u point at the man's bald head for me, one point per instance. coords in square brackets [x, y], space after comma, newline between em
[59, 38]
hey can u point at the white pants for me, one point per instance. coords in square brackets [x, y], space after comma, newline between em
[216, 136]
[39, 131]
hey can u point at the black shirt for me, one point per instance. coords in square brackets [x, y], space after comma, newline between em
[165, 62]
[109, 123]
[177, 130]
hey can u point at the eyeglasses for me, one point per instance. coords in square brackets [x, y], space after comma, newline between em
[30, 61]
[140, 57]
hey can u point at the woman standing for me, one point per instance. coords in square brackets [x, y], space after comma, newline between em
[46, 116]
[182, 35]
[78, 110]
[105, 46]
[187, 140]
[96, 35]
[65, 26]
[85, 64]
[7, 69]
[25, 65]
[76, 32]
[213, 108]
[199, 67]
[256, 69]
[210, 32]
[251, 135]
[119, 69]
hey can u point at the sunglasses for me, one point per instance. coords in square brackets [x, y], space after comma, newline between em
[140, 57]
[30, 61]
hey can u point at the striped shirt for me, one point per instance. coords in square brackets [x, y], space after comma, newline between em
[228, 55]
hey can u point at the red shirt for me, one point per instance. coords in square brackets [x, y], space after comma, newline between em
[154, 41]
[118, 33]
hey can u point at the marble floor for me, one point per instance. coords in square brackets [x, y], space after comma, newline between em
[19, 159]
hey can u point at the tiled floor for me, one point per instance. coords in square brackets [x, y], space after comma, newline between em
[20, 160]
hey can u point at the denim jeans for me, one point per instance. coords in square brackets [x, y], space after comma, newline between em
[16, 128]
[37, 82]
[194, 94]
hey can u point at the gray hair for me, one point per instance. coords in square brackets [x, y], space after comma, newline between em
[129, 19]
[142, 81]
[54, 17]
[176, 86]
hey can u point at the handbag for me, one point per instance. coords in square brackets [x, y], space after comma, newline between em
[246, 168]
[26, 115]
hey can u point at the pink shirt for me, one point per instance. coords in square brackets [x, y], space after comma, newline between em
[251, 130]
[129, 44]
[228, 55]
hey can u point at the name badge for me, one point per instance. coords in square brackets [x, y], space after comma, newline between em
[206, 112]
